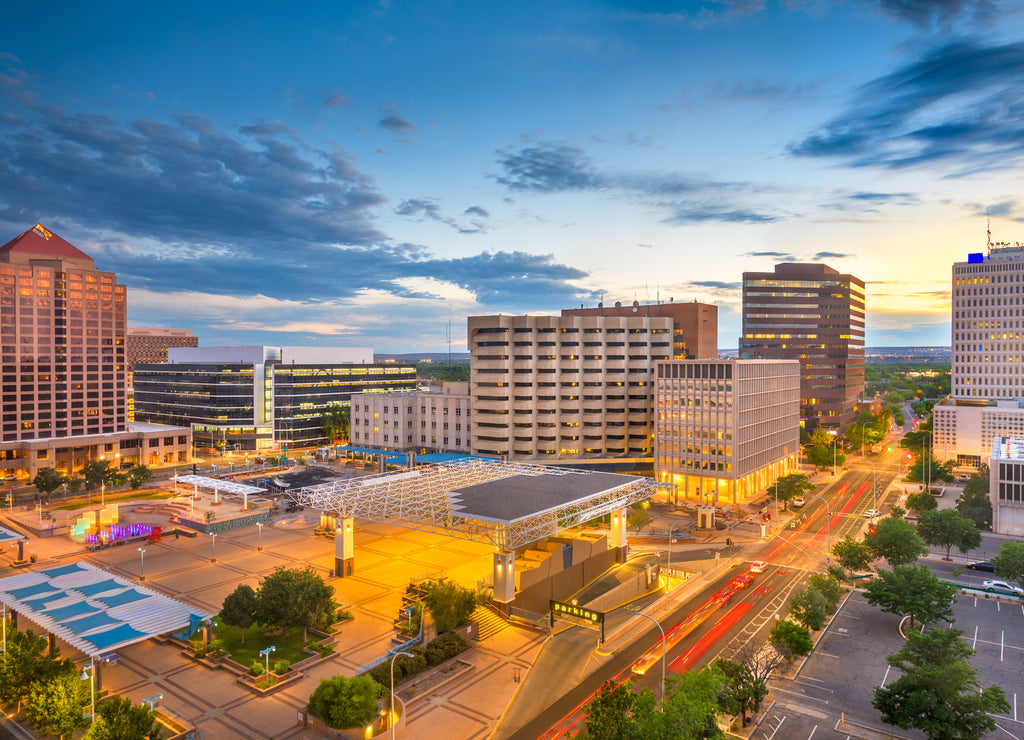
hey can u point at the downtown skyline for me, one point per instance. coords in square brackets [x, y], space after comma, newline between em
[357, 175]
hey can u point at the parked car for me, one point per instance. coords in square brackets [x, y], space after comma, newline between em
[984, 565]
[872, 513]
[1004, 587]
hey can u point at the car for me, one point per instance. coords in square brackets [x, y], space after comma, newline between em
[1004, 587]
[758, 566]
[798, 502]
[741, 581]
[984, 565]
[872, 513]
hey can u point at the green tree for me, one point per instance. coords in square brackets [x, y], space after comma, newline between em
[336, 421]
[947, 528]
[119, 718]
[938, 691]
[974, 503]
[809, 607]
[744, 691]
[293, 598]
[792, 486]
[921, 501]
[343, 702]
[74, 483]
[825, 457]
[56, 706]
[690, 709]
[450, 604]
[791, 640]
[638, 518]
[97, 473]
[47, 481]
[896, 541]
[911, 591]
[1009, 562]
[829, 587]
[139, 475]
[27, 663]
[238, 608]
[617, 711]
[853, 554]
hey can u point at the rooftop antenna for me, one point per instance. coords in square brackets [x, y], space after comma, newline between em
[988, 231]
[448, 337]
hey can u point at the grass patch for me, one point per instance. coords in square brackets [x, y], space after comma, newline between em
[119, 496]
[288, 646]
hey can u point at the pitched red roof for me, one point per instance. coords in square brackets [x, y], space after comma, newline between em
[39, 240]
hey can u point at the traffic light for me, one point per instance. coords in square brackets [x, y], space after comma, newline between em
[890, 448]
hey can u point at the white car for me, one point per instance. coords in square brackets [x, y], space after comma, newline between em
[872, 513]
[797, 502]
[1004, 587]
[758, 566]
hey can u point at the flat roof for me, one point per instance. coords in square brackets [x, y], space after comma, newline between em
[522, 496]
[94, 610]
[227, 486]
[9, 535]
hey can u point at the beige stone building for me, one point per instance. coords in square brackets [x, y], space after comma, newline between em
[434, 420]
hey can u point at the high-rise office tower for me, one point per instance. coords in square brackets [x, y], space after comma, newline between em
[987, 384]
[814, 314]
[694, 325]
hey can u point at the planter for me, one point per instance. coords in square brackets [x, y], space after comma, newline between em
[378, 728]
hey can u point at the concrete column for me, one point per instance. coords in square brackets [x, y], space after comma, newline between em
[504, 580]
[52, 643]
[617, 537]
[344, 534]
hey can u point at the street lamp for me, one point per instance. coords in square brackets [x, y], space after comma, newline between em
[835, 439]
[89, 674]
[266, 654]
[213, 547]
[391, 719]
[828, 526]
[142, 563]
[663, 648]
[259, 529]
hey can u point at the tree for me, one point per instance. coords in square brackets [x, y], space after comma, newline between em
[947, 528]
[619, 712]
[743, 692]
[853, 554]
[56, 706]
[450, 604]
[47, 480]
[293, 598]
[939, 471]
[1009, 562]
[896, 541]
[690, 709]
[974, 503]
[118, 718]
[824, 457]
[343, 702]
[238, 608]
[74, 483]
[912, 591]
[921, 501]
[26, 664]
[138, 475]
[336, 421]
[789, 487]
[808, 607]
[638, 518]
[791, 640]
[939, 692]
[828, 586]
[97, 473]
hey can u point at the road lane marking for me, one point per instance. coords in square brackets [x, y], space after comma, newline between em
[1002, 643]
[975, 645]
[886, 676]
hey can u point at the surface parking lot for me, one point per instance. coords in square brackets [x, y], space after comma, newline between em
[839, 678]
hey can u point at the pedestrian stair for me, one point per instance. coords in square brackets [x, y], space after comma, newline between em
[488, 623]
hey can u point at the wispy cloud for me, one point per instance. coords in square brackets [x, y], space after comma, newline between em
[936, 13]
[394, 122]
[425, 209]
[958, 107]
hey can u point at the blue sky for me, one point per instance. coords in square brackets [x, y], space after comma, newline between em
[358, 173]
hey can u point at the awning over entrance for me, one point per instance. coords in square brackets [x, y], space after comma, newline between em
[93, 610]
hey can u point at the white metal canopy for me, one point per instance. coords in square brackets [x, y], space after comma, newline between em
[93, 610]
[508, 505]
[221, 486]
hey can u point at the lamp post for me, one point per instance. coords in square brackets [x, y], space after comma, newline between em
[259, 530]
[835, 439]
[3, 626]
[391, 718]
[39, 511]
[828, 526]
[142, 563]
[266, 654]
[89, 674]
[862, 424]
[926, 449]
[671, 527]
[663, 648]
[213, 547]
[776, 503]
[103, 492]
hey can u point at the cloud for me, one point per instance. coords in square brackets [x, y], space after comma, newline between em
[425, 209]
[476, 211]
[784, 256]
[831, 256]
[942, 13]
[394, 123]
[957, 107]
[548, 168]
[334, 98]
[1009, 209]
[557, 167]
[716, 284]
[710, 13]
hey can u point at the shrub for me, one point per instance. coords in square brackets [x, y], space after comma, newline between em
[381, 673]
[444, 647]
[282, 666]
[344, 702]
[257, 668]
[325, 649]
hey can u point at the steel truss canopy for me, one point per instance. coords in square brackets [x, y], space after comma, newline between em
[9, 535]
[224, 486]
[508, 505]
[93, 610]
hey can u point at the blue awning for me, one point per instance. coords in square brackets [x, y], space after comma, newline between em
[121, 599]
[91, 589]
[118, 635]
[77, 609]
[100, 619]
[63, 570]
[26, 591]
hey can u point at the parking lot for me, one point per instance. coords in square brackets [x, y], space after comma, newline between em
[837, 681]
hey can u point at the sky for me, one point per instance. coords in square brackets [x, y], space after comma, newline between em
[368, 173]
